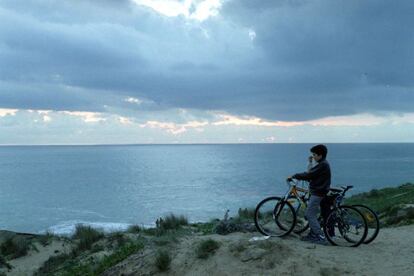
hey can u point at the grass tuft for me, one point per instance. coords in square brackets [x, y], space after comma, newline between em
[172, 222]
[163, 261]
[15, 247]
[46, 239]
[134, 229]
[207, 248]
[4, 263]
[119, 238]
[87, 236]
[118, 256]
[53, 263]
[245, 214]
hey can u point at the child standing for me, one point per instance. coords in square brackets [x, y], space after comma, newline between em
[319, 178]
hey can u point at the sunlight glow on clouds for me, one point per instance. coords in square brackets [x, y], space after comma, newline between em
[251, 121]
[174, 128]
[4, 112]
[125, 121]
[352, 120]
[87, 117]
[105, 127]
[363, 119]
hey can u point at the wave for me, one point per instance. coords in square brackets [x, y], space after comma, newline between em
[68, 228]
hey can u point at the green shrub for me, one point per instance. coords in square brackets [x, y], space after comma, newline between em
[118, 256]
[162, 260]
[374, 193]
[151, 231]
[119, 238]
[246, 214]
[68, 265]
[79, 270]
[86, 236]
[206, 227]
[171, 222]
[167, 238]
[134, 229]
[4, 263]
[15, 247]
[53, 263]
[207, 248]
[46, 238]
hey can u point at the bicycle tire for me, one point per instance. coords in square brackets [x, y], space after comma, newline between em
[372, 221]
[270, 213]
[349, 222]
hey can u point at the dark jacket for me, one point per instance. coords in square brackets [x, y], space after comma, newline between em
[319, 178]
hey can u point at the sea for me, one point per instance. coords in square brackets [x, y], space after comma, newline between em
[54, 188]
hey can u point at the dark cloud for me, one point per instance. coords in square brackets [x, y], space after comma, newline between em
[308, 59]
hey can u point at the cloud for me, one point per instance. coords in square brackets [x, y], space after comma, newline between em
[280, 61]
[190, 9]
[133, 100]
[251, 121]
[7, 112]
[125, 121]
[174, 128]
[87, 117]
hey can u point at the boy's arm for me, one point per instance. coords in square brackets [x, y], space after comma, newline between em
[311, 174]
[310, 163]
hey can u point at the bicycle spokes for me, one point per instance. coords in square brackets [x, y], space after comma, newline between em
[345, 226]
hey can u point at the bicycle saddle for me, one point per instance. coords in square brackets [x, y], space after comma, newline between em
[335, 190]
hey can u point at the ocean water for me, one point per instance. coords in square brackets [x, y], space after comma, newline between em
[55, 187]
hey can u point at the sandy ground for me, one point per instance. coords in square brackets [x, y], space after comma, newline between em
[26, 265]
[392, 253]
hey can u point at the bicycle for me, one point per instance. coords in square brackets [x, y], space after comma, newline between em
[370, 215]
[275, 216]
[344, 225]
[300, 202]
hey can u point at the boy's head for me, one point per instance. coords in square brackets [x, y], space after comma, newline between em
[320, 150]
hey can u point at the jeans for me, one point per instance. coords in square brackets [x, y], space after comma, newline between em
[312, 212]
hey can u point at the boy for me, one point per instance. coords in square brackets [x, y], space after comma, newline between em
[319, 177]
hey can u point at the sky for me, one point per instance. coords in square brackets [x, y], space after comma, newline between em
[206, 71]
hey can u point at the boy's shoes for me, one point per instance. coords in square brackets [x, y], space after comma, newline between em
[308, 237]
[317, 239]
[320, 240]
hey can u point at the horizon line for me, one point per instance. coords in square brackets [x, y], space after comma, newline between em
[183, 144]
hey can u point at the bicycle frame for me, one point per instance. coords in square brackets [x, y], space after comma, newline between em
[296, 192]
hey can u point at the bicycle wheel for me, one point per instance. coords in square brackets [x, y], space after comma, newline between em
[300, 207]
[345, 226]
[372, 222]
[274, 217]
